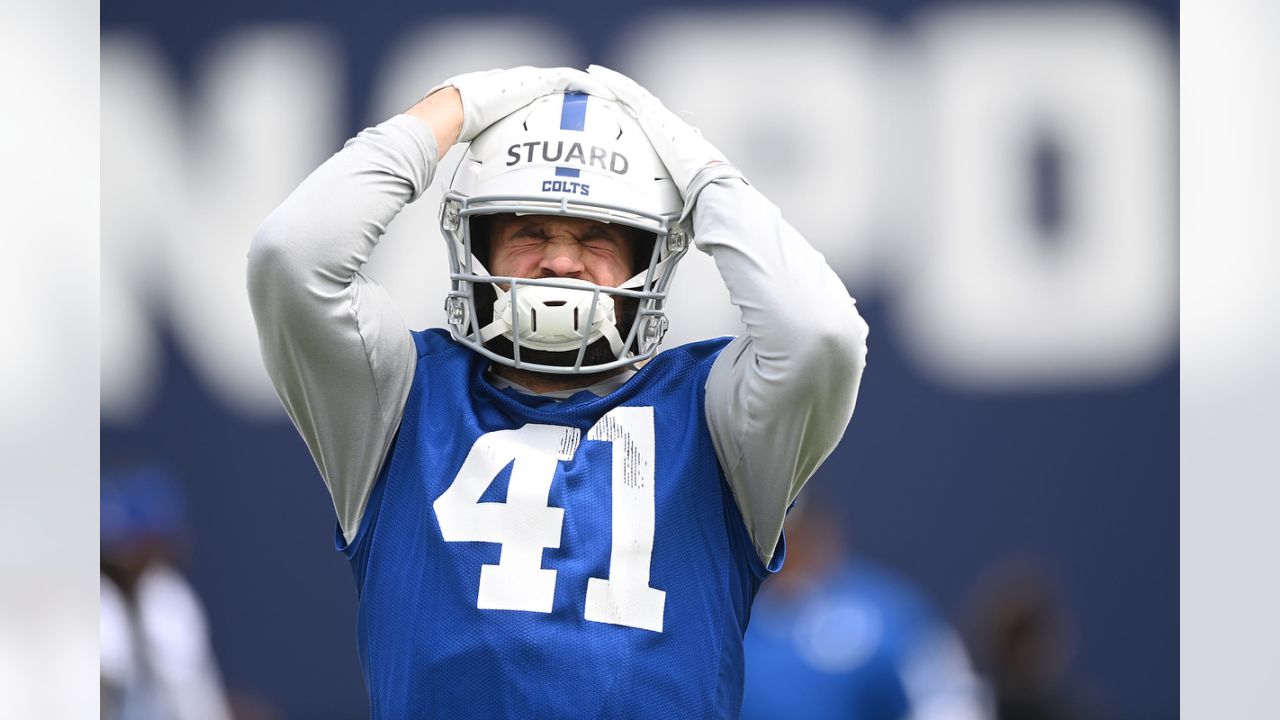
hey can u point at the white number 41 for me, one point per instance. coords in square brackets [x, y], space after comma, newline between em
[525, 524]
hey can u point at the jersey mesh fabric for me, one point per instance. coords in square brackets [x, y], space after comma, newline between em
[427, 649]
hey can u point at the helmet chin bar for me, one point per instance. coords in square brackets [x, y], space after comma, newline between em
[558, 314]
[557, 330]
[552, 318]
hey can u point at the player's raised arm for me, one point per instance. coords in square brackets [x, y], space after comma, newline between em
[335, 346]
[779, 398]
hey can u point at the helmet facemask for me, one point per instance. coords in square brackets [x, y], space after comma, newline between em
[561, 325]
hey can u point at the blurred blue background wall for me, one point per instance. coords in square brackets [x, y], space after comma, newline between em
[995, 183]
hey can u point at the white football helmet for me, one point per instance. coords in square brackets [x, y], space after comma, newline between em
[567, 154]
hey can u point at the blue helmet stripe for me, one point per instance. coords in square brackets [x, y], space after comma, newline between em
[573, 116]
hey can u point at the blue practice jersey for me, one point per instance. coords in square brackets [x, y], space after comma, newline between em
[522, 557]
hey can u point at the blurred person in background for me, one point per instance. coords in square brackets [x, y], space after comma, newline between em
[545, 517]
[1024, 645]
[157, 661]
[836, 636]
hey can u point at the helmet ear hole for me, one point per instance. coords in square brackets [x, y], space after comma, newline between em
[485, 296]
[481, 229]
[642, 243]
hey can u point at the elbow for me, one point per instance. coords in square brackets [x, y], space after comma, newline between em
[838, 348]
[270, 243]
[264, 261]
[270, 263]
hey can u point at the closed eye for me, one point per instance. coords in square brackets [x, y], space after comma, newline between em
[531, 232]
[598, 237]
[527, 237]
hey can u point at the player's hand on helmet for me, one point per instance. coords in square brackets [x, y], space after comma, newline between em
[680, 145]
[490, 95]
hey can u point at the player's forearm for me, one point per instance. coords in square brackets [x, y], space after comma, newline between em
[326, 229]
[802, 322]
[442, 112]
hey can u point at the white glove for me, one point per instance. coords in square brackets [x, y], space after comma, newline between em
[680, 145]
[491, 95]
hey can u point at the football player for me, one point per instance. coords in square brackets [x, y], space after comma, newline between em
[545, 517]
[838, 636]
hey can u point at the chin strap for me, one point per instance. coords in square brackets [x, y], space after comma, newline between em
[555, 319]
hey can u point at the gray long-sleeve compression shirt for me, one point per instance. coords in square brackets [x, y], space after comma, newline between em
[341, 358]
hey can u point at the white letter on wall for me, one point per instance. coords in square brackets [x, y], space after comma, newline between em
[990, 298]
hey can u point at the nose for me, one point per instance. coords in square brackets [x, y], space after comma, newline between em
[561, 257]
